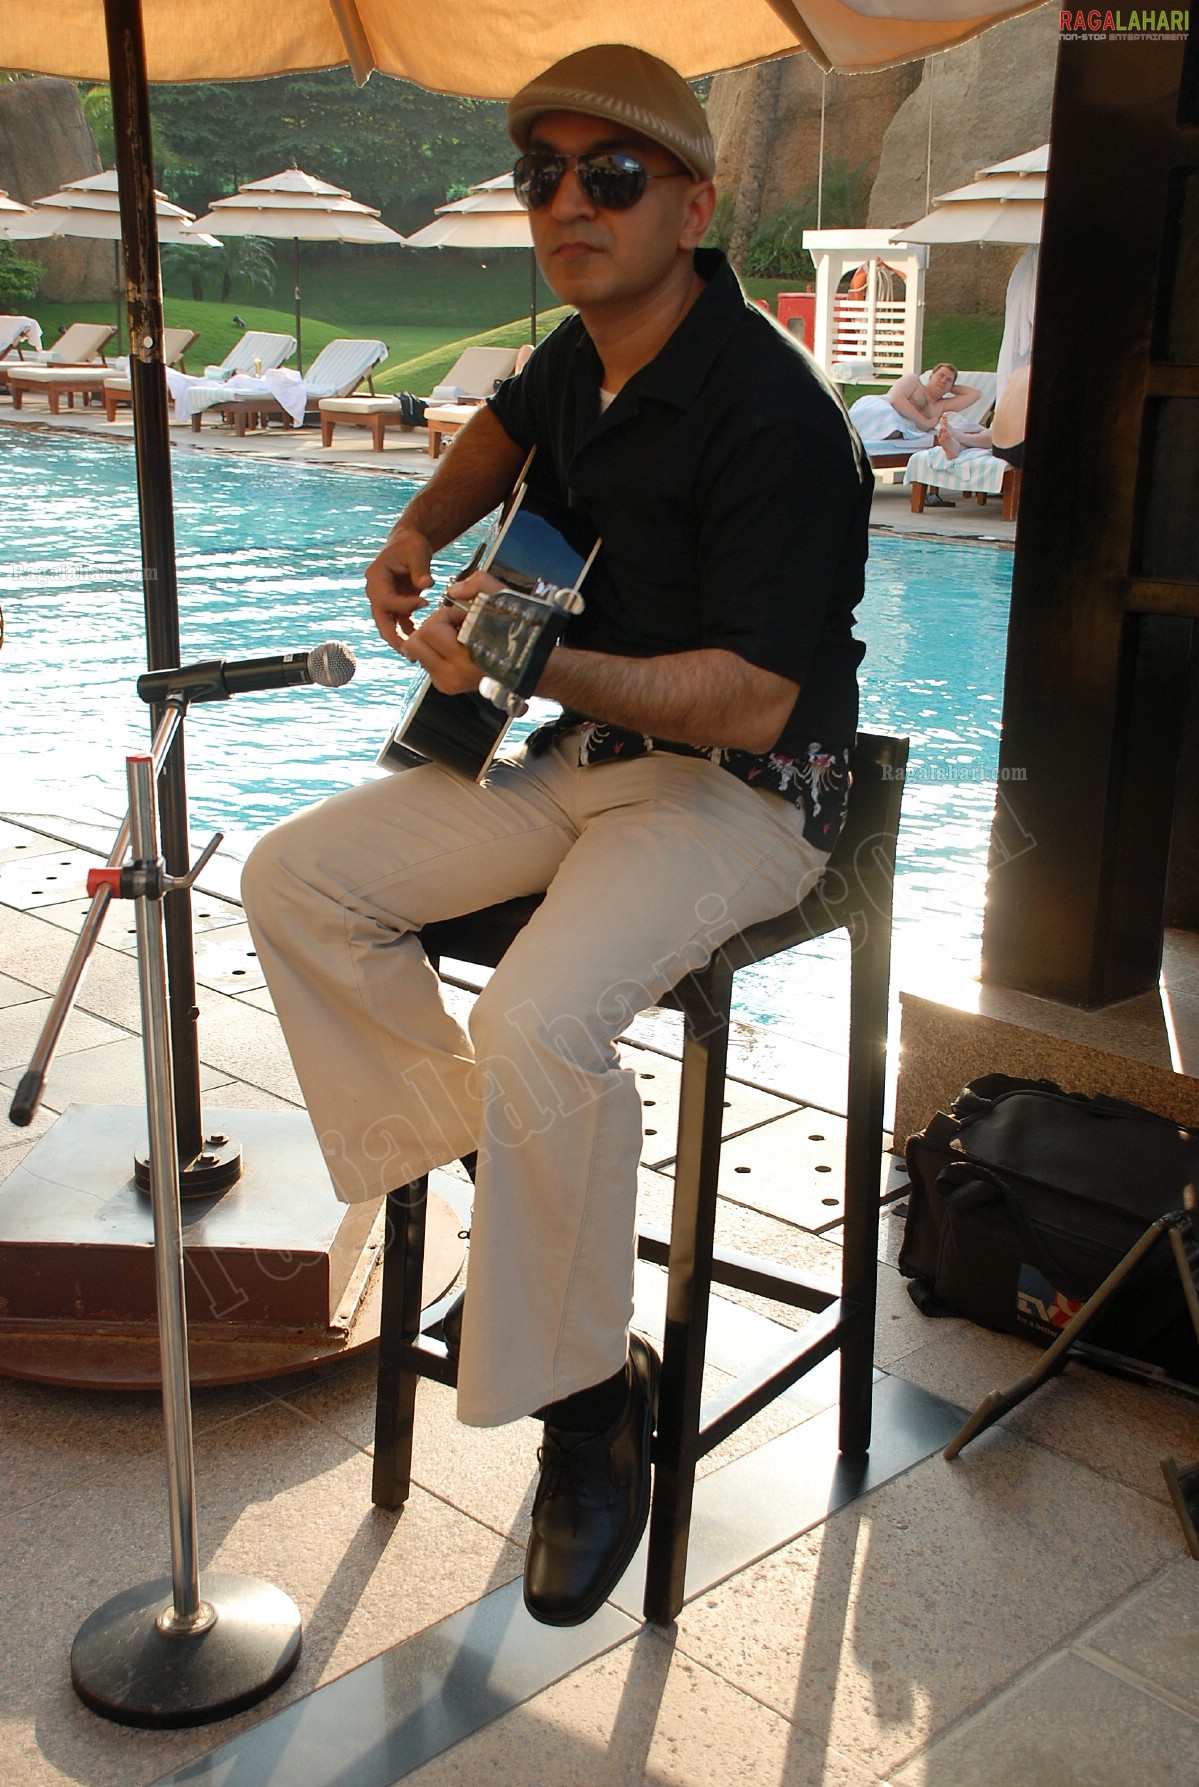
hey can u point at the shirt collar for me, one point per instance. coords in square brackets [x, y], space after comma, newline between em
[677, 372]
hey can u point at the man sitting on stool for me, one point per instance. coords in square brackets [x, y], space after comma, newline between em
[694, 785]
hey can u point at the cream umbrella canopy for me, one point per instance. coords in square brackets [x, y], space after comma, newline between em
[458, 47]
[10, 212]
[490, 216]
[91, 208]
[295, 206]
[1003, 204]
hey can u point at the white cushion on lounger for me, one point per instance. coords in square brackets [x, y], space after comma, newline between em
[359, 406]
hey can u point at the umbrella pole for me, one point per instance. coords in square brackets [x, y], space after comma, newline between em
[118, 277]
[533, 297]
[151, 430]
[299, 346]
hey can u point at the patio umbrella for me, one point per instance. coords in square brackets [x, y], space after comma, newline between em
[91, 208]
[490, 216]
[456, 46]
[1003, 204]
[296, 207]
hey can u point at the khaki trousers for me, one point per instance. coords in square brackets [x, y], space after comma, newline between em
[649, 864]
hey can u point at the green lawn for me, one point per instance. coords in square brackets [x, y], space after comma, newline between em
[413, 300]
[427, 305]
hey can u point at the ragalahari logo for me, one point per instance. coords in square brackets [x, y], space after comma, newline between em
[1132, 27]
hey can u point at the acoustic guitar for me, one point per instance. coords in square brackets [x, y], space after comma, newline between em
[510, 634]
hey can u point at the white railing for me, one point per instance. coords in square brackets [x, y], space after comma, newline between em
[870, 331]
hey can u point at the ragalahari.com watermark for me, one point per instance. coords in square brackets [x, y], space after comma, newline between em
[1095, 26]
[955, 772]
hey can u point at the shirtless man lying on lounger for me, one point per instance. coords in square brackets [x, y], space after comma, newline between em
[913, 406]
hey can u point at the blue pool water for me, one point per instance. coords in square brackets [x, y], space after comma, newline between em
[270, 559]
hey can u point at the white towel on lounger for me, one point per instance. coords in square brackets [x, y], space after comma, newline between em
[876, 420]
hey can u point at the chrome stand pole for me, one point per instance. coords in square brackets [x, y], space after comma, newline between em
[183, 1651]
[187, 1612]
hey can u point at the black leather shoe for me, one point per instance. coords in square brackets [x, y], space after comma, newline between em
[592, 1504]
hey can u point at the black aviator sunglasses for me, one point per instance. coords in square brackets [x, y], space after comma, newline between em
[612, 179]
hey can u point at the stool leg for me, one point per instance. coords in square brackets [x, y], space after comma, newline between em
[869, 979]
[693, 1224]
[399, 1324]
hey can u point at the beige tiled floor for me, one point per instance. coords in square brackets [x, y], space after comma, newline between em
[1027, 1612]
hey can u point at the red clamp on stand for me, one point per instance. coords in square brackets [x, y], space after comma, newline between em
[109, 878]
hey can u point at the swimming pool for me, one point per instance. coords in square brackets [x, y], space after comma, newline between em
[270, 559]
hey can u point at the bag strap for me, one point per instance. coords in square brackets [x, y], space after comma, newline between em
[955, 1179]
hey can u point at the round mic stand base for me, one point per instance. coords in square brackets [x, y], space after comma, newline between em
[217, 1166]
[133, 1663]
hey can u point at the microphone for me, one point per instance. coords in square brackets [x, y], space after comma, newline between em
[331, 665]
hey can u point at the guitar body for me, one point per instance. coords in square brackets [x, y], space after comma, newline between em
[538, 558]
[461, 732]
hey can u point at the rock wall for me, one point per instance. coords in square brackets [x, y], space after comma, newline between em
[990, 99]
[857, 110]
[45, 141]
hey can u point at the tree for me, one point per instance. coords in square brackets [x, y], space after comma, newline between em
[19, 280]
[97, 109]
[248, 261]
[394, 146]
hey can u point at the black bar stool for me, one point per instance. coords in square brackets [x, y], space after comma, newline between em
[855, 893]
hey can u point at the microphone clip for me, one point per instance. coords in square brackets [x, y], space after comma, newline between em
[190, 682]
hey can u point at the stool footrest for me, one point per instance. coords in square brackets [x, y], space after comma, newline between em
[429, 1358]
[756, 1389]
[741, 1272]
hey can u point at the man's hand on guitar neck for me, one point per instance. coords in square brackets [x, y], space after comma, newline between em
[475, 476]
[435, 646]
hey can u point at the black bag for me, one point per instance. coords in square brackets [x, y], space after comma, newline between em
[1024, 1200]
[412, 409]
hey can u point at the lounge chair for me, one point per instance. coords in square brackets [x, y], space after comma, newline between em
[78, 345]
[974, 471]
[337, 370]
[14, 330]
[471, 379]
[894, 455]
[258, 348]
[57, 382]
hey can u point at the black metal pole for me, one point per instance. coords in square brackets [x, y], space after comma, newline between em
[151, 433]
[533, 297]
[299, 345]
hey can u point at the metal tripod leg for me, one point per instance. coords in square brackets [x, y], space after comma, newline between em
[999, 1402]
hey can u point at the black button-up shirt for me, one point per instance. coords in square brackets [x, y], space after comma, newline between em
[731, 496]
